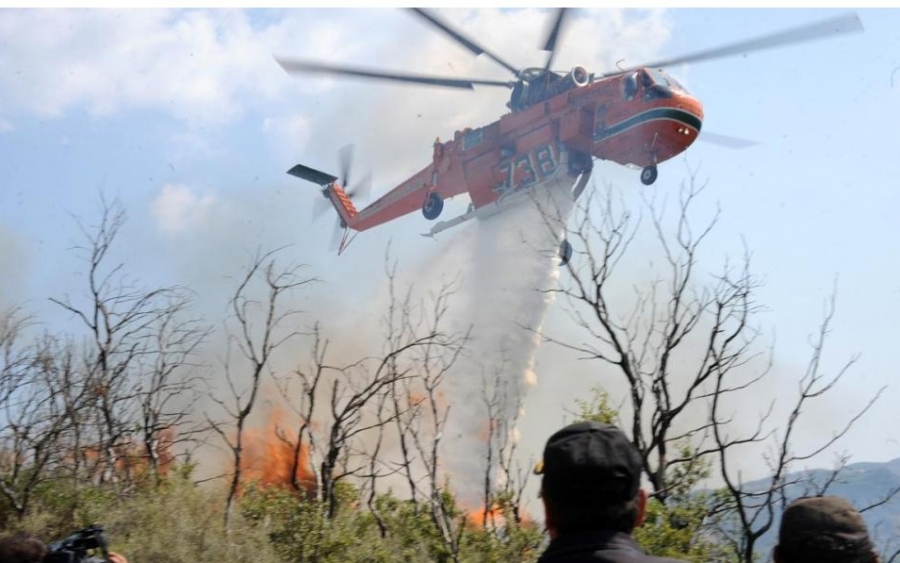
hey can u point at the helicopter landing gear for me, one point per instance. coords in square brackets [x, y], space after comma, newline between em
[565, 252]
[648, 175]
[433, 206]
[579, 162]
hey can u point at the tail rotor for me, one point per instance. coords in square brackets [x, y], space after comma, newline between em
[361, 189]
[358, 191]
[320, 206]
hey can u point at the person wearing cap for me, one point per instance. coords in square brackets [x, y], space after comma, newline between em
[593, 500]
[825, 529]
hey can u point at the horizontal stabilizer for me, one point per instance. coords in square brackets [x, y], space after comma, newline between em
[312, 175]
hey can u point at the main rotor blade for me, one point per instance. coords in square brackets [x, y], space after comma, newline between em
[726, 140]
[553, 37]
[463, 40]
[847, 23]
[296, 66]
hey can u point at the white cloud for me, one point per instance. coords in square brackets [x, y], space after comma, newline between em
[291, 132]
[178, 209]
[193, 146]
[211, 66]
[199, 65]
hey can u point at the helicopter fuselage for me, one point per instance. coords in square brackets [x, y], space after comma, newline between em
[640, 119]
[558, 122]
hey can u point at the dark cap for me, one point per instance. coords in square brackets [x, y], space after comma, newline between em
[590, 459]
[827, 524]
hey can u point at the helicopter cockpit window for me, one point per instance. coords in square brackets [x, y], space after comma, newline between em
[674, 84]
[656, 85]
[630, 86]
[656, 77]
[518, 100]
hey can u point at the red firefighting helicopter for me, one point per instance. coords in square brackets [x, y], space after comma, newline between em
[557, 124]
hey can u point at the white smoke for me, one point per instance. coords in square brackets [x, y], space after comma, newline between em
[510, 261]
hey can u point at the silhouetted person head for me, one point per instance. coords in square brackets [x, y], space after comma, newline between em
[22, 548]
[591, 480]
[826, 529]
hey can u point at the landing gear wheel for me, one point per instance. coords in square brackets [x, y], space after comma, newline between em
[648, 175]
[565, 252]
[433, 206]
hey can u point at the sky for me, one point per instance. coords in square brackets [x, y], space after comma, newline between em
[185, 116]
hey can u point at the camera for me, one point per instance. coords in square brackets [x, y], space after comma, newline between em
[76, 547]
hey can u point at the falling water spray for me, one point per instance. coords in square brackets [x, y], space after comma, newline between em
[513, 262]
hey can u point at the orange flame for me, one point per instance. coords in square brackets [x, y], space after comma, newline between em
[129, 459]
[484, 518]
[499, 516]
[269, 457]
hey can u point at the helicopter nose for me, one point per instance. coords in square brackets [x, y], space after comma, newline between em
[692, 106]
[690, 117]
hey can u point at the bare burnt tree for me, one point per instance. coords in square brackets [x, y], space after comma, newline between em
[43, 415]
[15, 356]
[422, 413]
[31, 438]
[375, 471]
[419, 409]
[746, 513]
[505, 478]
[170, 386]
[682, 347]
[344, 408]
[348, 395]
[122, 321]
[679, 333]
[424, 429]
[59, 363]
[402, 403]
[256, 329]
[406, 396]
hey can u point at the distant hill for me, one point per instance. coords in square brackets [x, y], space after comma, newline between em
[864, 484]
